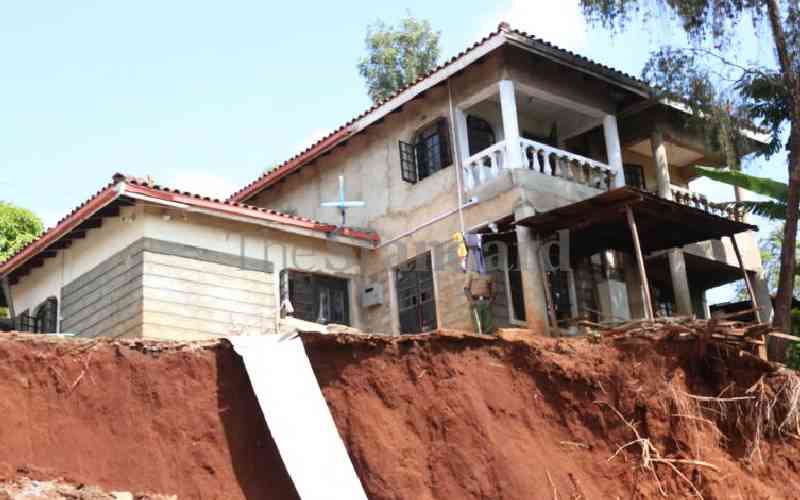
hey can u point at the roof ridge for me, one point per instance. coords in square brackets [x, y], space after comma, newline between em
[502, 28]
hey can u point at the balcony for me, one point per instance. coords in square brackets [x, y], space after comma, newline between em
[486, 165]
[514, 127]
[700, 201]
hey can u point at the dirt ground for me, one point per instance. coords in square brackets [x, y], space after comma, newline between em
[423, 418]
[25, 488]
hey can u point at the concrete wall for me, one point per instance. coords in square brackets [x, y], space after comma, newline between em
[722, 250]
[106, 300]
[678, 176]
[187, 298]
[100, 244]
[162, 273]
[370, 163]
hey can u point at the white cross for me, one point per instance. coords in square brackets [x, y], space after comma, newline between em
[341, 204]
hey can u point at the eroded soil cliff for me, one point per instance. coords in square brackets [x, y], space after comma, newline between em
[423, 418]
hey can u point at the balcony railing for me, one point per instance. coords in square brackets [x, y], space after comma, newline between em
[559, 163]
[698, 200]
[538, 157]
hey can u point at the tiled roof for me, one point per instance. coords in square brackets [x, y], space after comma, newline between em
[132, 186]
[346, 130]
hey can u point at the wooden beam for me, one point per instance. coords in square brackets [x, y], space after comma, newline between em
[648, 301]
[749, 285]
[92, 223]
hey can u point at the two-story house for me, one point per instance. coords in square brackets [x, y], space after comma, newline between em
[513, 138]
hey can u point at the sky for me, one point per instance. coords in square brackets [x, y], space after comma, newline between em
[207, 95]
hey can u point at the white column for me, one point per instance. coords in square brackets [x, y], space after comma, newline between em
[762, 295]
[461, 133]
[680, 282]
[508, 107]
[659, 150]
[677, 262]
[613, 149]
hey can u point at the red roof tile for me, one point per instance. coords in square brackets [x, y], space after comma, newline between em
[135, 186]
[344, 131]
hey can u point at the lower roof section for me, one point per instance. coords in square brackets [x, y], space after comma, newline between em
[126, 190]
[600, 223]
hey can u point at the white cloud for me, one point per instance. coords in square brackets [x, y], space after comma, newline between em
[198, 181]
[560, 22]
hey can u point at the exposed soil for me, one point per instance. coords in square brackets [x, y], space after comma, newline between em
[423, 418]
[25, 488]
[157, 418]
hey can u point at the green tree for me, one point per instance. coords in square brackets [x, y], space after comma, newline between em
[18, 227]
[397, 55]
[774, 208]
[701, 75]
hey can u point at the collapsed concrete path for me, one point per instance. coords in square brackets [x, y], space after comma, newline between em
[298, 418]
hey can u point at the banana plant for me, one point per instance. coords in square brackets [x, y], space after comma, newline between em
[774, 208]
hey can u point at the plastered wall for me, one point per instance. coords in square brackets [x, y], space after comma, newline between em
[162, 284]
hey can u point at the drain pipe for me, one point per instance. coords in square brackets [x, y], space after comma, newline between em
[458, 155]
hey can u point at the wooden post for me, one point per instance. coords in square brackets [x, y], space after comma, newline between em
[746, 278]
[648, 301]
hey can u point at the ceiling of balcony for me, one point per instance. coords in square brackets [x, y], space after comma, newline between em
[676, 155]
[537, 117]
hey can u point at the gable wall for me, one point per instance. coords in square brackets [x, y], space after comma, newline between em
[171, 274]
[370, 163]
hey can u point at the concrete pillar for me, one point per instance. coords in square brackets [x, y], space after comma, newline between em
[613, 149]
[680, 282]
[662, 164]
[612, 292]
[677, 262]
[635, 287]
[462, 135]
[394, 307]
[508, 109]
[532, 281]
[762, 294]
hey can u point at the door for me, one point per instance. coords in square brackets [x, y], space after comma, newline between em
[415, 296]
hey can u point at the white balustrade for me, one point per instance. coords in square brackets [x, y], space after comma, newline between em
[486, 165]
[556, 162]
[700, 201]
[541, 158]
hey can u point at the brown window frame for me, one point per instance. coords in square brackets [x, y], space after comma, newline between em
[630, 168]
[314, 284]
[429, 153]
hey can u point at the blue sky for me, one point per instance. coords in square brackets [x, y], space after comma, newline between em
[206, 95]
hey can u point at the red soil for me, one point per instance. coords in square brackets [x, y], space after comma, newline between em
[439, 418]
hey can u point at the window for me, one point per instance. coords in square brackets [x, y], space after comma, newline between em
[429, 153]
[634, 176]
[23, 322]
[479, 134]
[503, 257]
[316, 297]
[45, 317]
[415, 297]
